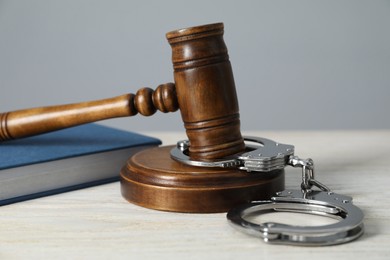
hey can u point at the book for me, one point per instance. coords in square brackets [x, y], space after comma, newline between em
[65, 160]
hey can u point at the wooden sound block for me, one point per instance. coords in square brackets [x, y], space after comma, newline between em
[152, 179]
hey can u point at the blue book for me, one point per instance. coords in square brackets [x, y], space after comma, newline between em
[65, 160]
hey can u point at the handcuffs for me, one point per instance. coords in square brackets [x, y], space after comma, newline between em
[271, 156]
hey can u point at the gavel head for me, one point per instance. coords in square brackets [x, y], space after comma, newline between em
[206, 91]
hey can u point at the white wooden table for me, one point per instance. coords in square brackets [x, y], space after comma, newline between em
[97, 223]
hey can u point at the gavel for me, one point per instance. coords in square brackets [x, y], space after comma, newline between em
[205, 92]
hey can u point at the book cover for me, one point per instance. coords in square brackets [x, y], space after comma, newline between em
[65, 160]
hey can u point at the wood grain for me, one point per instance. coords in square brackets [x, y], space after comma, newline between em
[28, 122]
[206, 91]
[153, 180]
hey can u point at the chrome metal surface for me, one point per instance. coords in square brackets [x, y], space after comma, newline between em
[268, 156]
[271, 156]
[322, 203]
[308, 180]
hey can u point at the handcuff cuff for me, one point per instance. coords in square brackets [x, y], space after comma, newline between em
[271, 156]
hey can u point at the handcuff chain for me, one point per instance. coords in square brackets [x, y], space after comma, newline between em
[308, 180]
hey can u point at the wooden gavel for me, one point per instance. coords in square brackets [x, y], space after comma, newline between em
[205, 93]
[204, 90]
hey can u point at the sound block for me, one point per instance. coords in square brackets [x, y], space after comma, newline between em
[153, 180]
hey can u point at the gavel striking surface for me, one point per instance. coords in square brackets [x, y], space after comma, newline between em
[152, 179]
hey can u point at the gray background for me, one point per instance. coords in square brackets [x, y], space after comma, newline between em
[298, 65]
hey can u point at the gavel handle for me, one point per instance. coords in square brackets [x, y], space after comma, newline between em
[28, 122]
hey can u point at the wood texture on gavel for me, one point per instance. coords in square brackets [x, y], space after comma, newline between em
[204, 91]
[34, 121]
[208, 104]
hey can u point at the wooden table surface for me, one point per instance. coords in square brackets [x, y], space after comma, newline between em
[97, 223]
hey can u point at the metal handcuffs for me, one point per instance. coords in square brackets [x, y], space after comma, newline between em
[270, 156]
